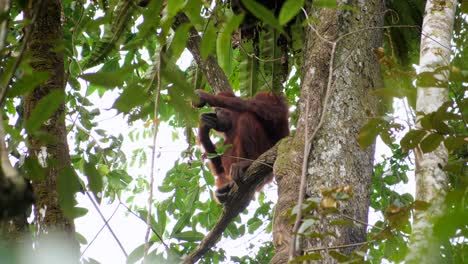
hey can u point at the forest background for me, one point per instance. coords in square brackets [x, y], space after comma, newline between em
[345, 68]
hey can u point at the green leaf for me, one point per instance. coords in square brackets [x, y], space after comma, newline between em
[431, 142]
[79, 212]
[173, 6]
[95, 181]
[131, 97]
[162, 219]
[26, 84]
[369, 133]
[179, 41]
[307, 257]
[452, 143]
[44, 110]
[456, 167]
[426, 121]
[208, 43]
[191, 236]
[192, 200]
[109, 79]
[67, 186]
[412, 139]
[193, 10]
[254, 224]
[325, 3]
[136, 254]
[289, 10]
[306, 225]
[181, 223]
[33, 170]
[80, 238]
[390, 180]
[223, 42]
[263, 14]
[338, 256]
[341, 222]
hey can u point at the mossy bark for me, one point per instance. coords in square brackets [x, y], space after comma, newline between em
[46, 50]
[336, 160]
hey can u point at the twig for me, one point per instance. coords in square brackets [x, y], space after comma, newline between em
[361, 222]
[100, 230]
[308, 141]
[241, 158]
[337, 247]
[253, 55]
[157, 76]
[307, 147]
[107, 224]
[144, 220]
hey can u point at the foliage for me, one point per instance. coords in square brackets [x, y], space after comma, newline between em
[113, 49]
[445, 126]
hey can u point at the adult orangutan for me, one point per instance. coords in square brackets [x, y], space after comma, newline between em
[250, 126]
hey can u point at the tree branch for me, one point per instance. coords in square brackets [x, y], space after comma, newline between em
[239, 198]
[209, 66]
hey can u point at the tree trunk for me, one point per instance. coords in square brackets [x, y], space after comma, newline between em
[431, 180]
[335, 160]
[46, 50]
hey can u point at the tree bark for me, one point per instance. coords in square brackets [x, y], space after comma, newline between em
[46, 50]
[431, 180]
[336, 160]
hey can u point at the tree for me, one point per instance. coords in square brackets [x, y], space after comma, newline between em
[339, 72]
[47, 141]
[431, 179]
[340, 66]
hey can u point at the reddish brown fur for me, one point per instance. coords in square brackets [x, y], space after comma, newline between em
[251, 126]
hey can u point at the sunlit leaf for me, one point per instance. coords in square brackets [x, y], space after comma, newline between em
[179, 41]
[306, 224]
[180, 224]
[174, 6]
[192, 236]
[161, 223]
[253, 224]
[289, 10]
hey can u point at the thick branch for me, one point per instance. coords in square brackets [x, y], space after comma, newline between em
[209, 66]
[239, 198]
